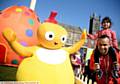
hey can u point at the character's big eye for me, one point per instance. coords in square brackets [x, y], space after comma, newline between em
[49, 35]
[63, 38]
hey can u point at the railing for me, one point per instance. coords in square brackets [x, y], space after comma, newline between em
[83, 77]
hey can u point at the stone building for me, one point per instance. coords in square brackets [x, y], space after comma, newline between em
[74, 33]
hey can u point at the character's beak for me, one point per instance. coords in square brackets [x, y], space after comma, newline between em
[55, 43]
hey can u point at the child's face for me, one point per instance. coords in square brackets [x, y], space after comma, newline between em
[106, 25]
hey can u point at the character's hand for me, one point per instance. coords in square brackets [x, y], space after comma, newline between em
[9, 35]
[84, 34]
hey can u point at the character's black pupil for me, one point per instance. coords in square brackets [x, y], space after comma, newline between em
[50, 36]
[63, 39]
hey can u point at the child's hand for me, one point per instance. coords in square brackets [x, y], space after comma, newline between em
[9, 35]
[84, 34]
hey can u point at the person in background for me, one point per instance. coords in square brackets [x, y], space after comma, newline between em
[75, 60]
[106, 25]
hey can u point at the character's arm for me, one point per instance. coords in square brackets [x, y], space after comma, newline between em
[75, 47]
[10, 36]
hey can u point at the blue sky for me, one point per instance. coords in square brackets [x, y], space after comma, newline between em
[73, 12]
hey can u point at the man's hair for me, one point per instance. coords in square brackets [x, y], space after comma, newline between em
[103, 36]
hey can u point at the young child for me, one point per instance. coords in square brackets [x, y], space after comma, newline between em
[106, 25]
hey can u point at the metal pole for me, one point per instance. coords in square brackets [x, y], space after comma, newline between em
[32, 4]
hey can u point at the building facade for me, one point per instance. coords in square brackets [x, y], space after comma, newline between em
[74, 34]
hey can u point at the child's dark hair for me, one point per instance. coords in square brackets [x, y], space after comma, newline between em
[106, 19]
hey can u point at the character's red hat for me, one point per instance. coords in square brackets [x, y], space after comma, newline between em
[51, 18]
